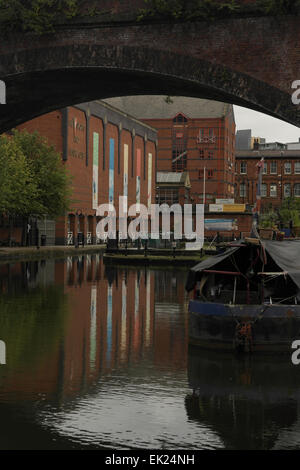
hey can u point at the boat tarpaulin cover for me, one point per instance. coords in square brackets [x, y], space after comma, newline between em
[206, 264]
[286, 255]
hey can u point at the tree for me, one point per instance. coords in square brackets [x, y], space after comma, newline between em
[18, 190]
[290, 211]
[49, 174]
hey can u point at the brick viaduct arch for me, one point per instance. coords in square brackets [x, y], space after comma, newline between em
[246, 61]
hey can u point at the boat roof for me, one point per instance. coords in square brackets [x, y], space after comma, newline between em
[286, 254]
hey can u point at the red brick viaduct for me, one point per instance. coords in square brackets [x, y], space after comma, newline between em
[249, 61]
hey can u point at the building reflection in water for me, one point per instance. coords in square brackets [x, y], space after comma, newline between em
[114, 317]
[251, 402]
[92, 345]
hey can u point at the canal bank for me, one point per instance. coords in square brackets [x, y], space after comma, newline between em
[162, 258]
[33, 253]
[149, 259]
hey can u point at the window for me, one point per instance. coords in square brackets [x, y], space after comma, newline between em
[243, 190]
[287, 168]
[179, 160]
[210, 154]
[265, 168]
[297, 168]
[201, 153]
[273, 190]
[273, 168]
[210, 173]
[243, 168]
[297, 190]
[168, 196]
[179, 150]
[263, 189]
[180, 118]
[287, 190]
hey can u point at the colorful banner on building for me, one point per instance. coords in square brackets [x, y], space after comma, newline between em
[125, 177]
[138, 179]
[220, 225]
[149, 195]
[111, 170]
[95, 169]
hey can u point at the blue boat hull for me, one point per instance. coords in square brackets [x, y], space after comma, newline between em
[273, 327]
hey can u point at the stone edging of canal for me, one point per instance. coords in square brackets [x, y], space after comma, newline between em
[8, 255]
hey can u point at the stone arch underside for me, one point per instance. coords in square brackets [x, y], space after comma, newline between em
[43, 79]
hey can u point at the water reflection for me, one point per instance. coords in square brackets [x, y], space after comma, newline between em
[252, 402]
[97, 357]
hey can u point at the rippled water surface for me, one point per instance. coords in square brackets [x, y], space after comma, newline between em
[98, 357]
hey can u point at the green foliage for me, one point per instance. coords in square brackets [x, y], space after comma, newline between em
[290, 210]
[37, 16]
[18, 190]
[42, 16]
[33, 180]
[168, 100]
[211, 9]
[268, 219]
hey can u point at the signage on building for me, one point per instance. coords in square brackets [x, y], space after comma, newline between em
[220, 225]
[224, 201]
[234, 207]
[215, 207]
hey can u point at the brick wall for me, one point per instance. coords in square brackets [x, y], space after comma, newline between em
[275, 179]
[75, 143]
[218, 157]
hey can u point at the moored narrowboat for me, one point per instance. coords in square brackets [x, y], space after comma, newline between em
[247, 299]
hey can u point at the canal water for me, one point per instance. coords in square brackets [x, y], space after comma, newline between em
[97, 357]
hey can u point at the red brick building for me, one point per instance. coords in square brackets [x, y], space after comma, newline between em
[281, 176]
[108, 153]
[194, 136]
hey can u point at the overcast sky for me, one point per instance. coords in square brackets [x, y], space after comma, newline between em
[265, 126]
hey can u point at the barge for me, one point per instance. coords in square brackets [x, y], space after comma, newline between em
[247, 299]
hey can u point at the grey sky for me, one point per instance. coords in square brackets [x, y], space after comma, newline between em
[265, 126]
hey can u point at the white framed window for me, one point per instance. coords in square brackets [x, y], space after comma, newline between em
[264, 189]
[243, 192]
[243, 168]
[297, 168]
[273, 168]
[297, 190]
[265, 168]
[287, 168]
[287, 190]
[273, 190]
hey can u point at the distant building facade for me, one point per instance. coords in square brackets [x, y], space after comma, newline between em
[281, 176]
[108, 153]
[195, 136]
[245, 140]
